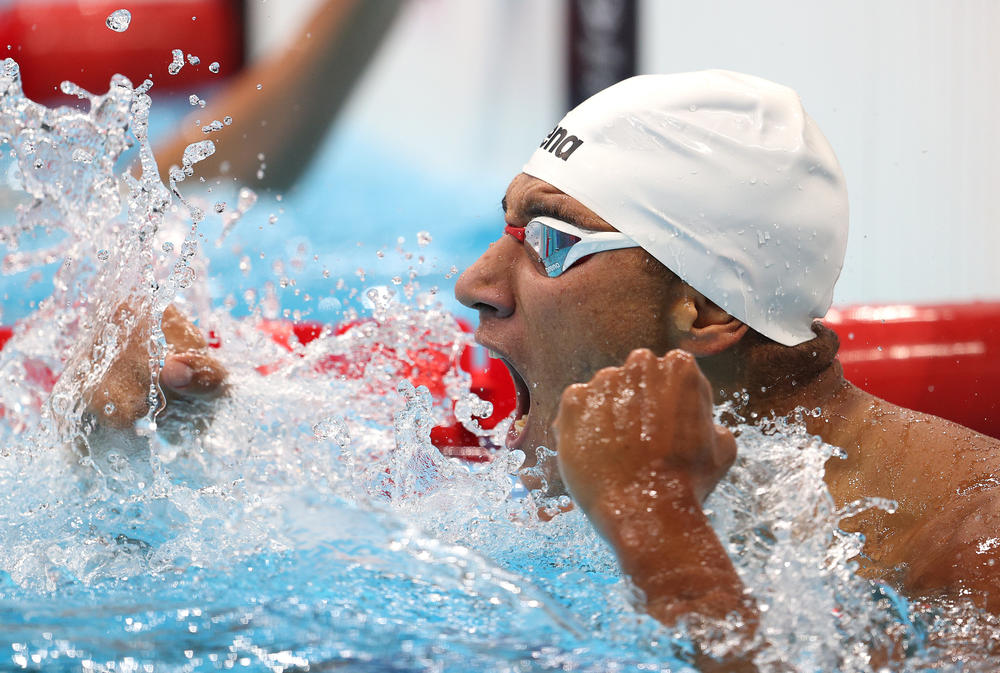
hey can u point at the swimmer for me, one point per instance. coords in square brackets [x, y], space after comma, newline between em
[673, 242]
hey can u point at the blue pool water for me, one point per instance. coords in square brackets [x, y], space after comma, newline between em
[304, 521]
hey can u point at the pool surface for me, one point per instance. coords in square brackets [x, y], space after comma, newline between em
[305, 521]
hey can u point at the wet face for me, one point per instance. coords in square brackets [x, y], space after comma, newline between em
[552, 332]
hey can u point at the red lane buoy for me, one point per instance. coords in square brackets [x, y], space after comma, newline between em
[57, 40]
[941, 359]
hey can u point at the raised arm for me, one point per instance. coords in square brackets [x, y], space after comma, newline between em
[639, 451]
[300, 93]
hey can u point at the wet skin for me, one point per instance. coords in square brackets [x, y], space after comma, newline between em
[636, 444]
[188, 370]
[570, 339]
[625, 443]
[557, 331]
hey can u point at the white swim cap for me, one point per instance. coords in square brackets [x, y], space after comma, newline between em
[720, 176]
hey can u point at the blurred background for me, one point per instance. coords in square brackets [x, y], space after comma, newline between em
[427, 108]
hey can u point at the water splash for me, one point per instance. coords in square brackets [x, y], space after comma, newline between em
[246, 200]
[306, 519]
[177, 61]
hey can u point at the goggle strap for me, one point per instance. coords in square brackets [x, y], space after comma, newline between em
[516, 232]
[585, 247]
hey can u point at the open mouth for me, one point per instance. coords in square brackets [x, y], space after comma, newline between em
[515, 434]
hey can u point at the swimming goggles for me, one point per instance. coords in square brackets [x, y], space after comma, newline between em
[560, 244]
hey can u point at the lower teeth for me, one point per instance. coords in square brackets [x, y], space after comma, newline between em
[520, 423]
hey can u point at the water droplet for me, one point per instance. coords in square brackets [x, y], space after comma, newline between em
[193, 60]
[227, 120]
[103, 254]
[184, 277]
[167, 246]
[195, 152]
[259, 87]
[177, 63]
[119, 20]
[193, 99]
[109, 408]
[272, 219]
[247, 197]
[82, 156]
[213, 66]
[333, 428]
[423, 238]
[219, 206]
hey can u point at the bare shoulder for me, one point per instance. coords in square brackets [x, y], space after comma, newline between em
[913, 449]
[946, 478]
[942, 441]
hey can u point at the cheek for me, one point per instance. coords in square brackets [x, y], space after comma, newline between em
[592, 320]
[622, 321]
[580, 338]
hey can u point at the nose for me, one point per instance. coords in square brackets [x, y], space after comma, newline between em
[485, 286]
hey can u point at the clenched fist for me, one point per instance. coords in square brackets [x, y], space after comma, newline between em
[648, 423]
[120, 397]
[638, 450]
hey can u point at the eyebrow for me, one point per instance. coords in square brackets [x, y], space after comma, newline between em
[558, 210]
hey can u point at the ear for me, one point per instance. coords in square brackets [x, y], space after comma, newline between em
[704, 328]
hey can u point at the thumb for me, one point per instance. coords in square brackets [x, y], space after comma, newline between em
[193, 372]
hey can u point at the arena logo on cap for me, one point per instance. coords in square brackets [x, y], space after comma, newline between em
[560, 143]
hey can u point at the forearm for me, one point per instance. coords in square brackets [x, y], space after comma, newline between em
[668, 549]
[301, 91]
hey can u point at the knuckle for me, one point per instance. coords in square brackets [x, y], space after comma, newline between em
[607, 375]
[574, 394]
[680, 358]
[641, 355]
[683, 365]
